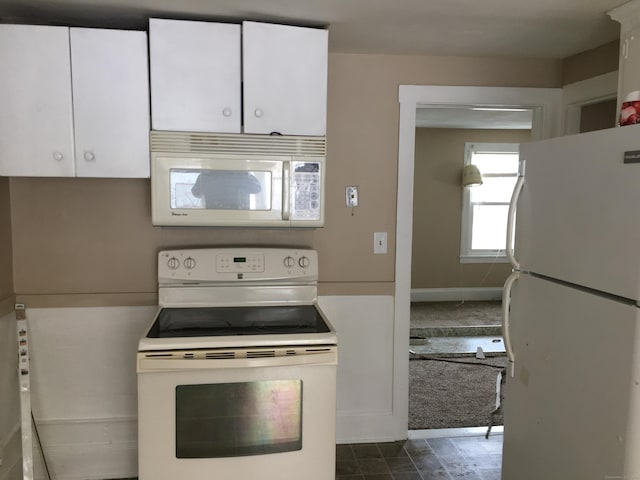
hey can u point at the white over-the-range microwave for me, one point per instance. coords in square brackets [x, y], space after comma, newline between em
[206, 179]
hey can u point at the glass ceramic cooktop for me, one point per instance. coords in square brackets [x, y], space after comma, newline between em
[226, 321]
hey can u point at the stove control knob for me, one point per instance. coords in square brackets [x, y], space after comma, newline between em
[189, 263]
[304, 262]
[173, 263]
[289, 261]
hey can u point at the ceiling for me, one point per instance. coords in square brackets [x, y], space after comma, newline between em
[551, 29]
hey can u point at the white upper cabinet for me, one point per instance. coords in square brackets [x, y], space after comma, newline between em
[198, 68]
[110, 102]
[285, 79]
[60, 85]
[195, 76]
[36, 122]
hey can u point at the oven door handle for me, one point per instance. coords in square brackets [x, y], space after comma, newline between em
[165, 364]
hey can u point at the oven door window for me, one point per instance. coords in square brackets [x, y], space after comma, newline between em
[238, 419]
[220, 189]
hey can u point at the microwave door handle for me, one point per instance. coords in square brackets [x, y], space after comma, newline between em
[286, 190]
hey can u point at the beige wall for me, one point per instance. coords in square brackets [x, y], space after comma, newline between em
[94, 236]
[589, 64]
[6, 268]
[437, 203]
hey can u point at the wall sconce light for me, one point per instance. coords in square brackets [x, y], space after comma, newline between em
[471, 176]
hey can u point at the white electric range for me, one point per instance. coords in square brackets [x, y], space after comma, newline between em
[237, 372]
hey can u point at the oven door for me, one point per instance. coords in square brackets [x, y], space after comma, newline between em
[243, 414]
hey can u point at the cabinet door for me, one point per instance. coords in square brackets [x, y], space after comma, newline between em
[195, 76]
[285, 79]
[36, 129]
[110, 102]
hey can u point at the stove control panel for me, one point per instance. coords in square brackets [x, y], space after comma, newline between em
[211, 265]
[239, 263]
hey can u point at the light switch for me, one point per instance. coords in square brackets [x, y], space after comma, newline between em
[379, 242]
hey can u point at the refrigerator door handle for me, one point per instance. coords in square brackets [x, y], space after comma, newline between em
[506, 333]
[512, 216]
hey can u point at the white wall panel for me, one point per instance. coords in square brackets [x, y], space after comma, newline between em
[365, 365]
[85, 387]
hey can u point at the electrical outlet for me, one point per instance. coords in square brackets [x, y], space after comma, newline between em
[380, 242]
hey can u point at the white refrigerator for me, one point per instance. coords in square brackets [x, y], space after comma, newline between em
[572, 322]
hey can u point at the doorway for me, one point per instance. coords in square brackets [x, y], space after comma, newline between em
[456, 350]
[545, 106]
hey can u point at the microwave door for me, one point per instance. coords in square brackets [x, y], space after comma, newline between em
[229, 191]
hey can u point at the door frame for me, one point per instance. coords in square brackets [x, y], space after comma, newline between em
[583, 93]
[547, 120]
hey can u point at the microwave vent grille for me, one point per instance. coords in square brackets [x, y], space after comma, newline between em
[237, 144]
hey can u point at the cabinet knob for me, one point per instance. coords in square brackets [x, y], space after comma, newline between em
[89, 156]
[58, 156]
[226, 112]
[258, 112]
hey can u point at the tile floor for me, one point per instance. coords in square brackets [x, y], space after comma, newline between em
[470, 458]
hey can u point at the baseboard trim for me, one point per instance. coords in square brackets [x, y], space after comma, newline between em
[454, 432]
[455, 294]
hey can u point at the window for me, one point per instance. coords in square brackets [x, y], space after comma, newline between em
[485, 207]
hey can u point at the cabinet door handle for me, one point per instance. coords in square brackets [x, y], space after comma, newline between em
[58, 156]
[89, 156]
[226, 112]
[258, 112]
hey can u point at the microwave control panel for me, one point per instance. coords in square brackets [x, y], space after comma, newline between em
[306, 191]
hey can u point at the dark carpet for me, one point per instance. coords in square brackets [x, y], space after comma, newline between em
[453, 392]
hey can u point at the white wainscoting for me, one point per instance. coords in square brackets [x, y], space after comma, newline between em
[365, 366]
[84, 389]
[84, 385]
[455, 294]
